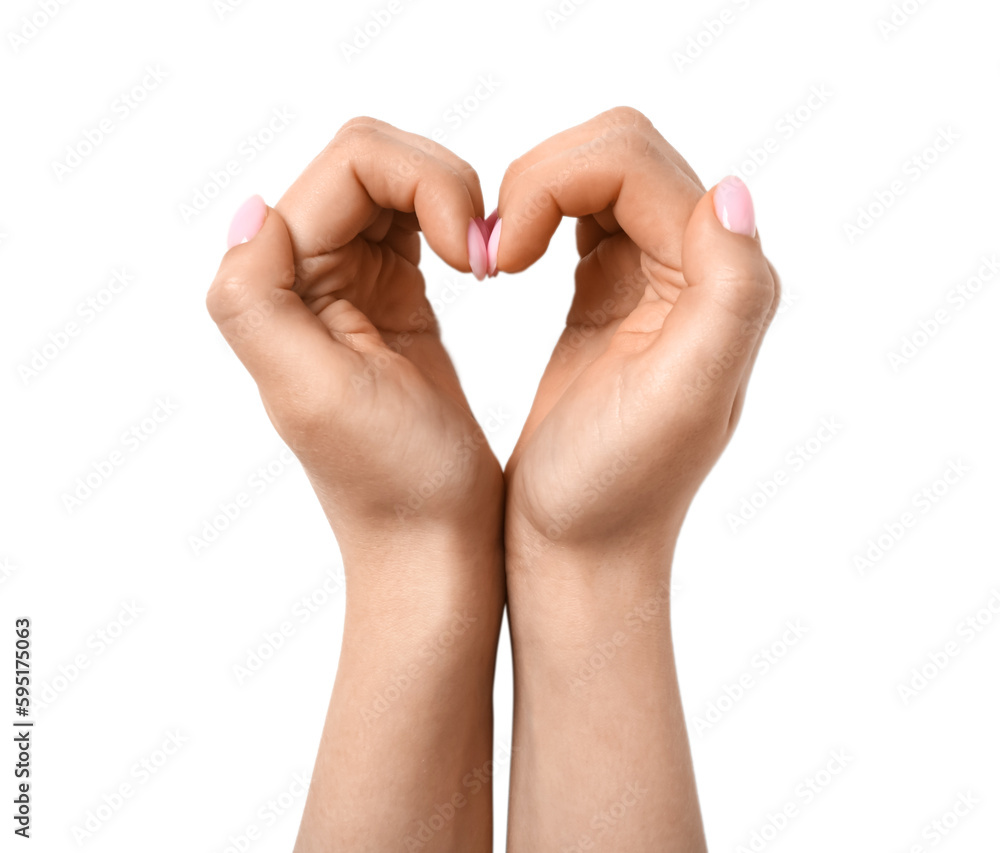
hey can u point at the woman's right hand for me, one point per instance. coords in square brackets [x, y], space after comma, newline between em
[324, 304]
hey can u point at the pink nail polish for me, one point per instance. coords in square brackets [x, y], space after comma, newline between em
[249, 219]
[493, 250]
[483, 229]
[734, 207]
[477, 249]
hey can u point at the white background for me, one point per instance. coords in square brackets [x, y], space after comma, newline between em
[848, 306]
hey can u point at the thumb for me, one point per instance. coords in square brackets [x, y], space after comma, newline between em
[722, 314]
[278, 338]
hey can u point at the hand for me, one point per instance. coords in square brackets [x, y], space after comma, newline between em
[325, 306]
[645, 386]
[638, 401]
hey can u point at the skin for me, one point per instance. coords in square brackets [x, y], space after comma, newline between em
[325, 306]
[639, 399]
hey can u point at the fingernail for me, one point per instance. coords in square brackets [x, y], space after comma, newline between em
[483, 229]
[491, 220]
[734, 207]
[248, 221]
[493, 250]
[477, 249]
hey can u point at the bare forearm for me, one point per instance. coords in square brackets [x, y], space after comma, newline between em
[410, 719]
[602, 760]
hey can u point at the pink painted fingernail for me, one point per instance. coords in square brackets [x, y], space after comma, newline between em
[484, 229]
[477, 249]
[249, 219]
[493, 250]
[734, 207]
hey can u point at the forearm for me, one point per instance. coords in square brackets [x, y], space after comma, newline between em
[410, 719]
[601, 755]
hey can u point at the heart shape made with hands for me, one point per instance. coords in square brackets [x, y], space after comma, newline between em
[325, 304]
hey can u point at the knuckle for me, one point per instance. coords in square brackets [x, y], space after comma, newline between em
[776, 282]
[356, 130]
[747, 296]
[425, 146]
[757, 296]
[470, 175]
[359, 122]
[515, 170]
[239, 311]
[224, 299]
[627, 118]
[627, 133]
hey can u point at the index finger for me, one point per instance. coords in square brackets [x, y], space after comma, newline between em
[617, 163]
[370, 167]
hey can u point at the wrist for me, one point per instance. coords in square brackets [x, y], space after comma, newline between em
[644, 547]
[425, 574]
[463, 516]
[425, 613]
[420, 520]
[586, 593]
